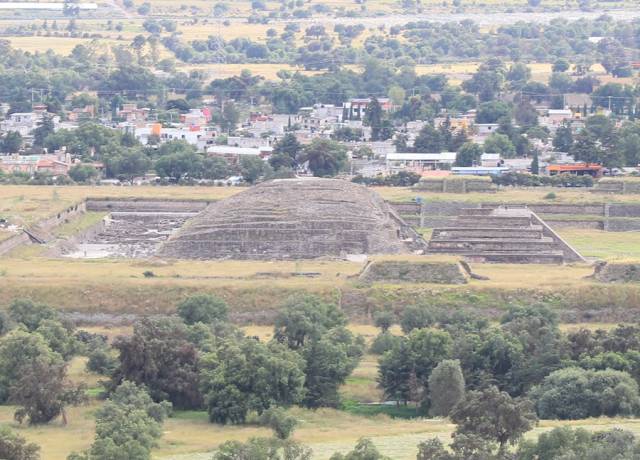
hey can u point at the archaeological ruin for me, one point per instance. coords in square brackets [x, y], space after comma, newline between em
[294, 219]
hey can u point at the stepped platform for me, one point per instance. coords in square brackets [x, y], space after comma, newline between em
[294, 219]
[502, 235]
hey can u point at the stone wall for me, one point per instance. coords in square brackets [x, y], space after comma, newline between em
[456, 184]
[414, 272]
[617, 272]
[145, 205]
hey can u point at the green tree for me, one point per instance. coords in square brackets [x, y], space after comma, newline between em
[373, 118]
[277, 419]
[203, 308]
[328, 361]
[30, 314]
[45, 128]
[446, 387]
[499, 143]
[128, 165]
[575, 393]
[15, 447]
[563, 140]
[429, 140]
[565, 442]
[252, 168]
[325, 157]
[535, 163]
[263, 448]
[384, 320]
[468, 155]
[242, 375]
[180, 165]
[17, 349]
[229, 117]
[42, 391]
[128, 425]
[306, 317]
[561, 65]
[82, 173]
[406, 367]
[491, 112]
[494, 416]
[587, 148]
[160, 356]
[364, 450]
[416, 317]
[285, 152]
[59, 338]
[11, 142]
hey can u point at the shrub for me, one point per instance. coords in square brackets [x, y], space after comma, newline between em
[575, 393]
[446, 387]
[102, 362]
[203, 308]
[416, 317]
[278, 420]
[14, 447]
[383, 343]
[30, 314]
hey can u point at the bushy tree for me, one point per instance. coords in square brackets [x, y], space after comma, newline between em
[243, 375]
[429, 140]
[325, 157]
[328, 360]
[42, 391]
[494, 416]
[14, 447]
[203, 308]
[468, 155]
[404, 370]
[160, 356]
[306, 317]
[575, 393]
[83, 173]
[499, 143]
[59, 338]
[263, 448]
[384, 320]
[30, 314]
[128, 425]
[416, 317]
[446, 387]
[277, 419]
[18, 349]
[364, 450]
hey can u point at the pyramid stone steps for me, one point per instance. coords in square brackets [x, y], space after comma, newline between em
[492, 232]
[501, 235]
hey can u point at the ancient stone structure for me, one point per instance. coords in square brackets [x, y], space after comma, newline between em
[412, 271]
[503, 235]
[293, 219]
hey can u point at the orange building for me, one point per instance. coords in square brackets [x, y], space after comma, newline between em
[578, 169]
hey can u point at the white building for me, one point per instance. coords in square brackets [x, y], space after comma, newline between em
[420, 161]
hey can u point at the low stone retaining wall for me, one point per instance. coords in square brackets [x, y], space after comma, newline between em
[617, 272]
[144, 205]
[414, 272]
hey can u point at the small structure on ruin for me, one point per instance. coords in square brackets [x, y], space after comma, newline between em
[294, 219]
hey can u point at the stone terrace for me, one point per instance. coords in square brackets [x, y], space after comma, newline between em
[502, 235]
[293, 219]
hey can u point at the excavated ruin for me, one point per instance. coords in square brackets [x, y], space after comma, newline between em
[293, 219]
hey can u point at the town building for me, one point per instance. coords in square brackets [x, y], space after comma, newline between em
[56, 164]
